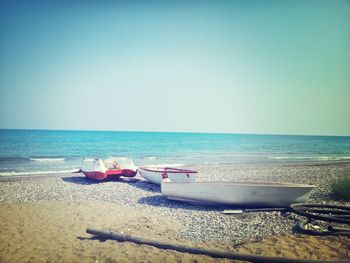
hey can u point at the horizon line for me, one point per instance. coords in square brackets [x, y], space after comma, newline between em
[190, 132]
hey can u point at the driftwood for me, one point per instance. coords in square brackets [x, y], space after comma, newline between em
[199, 251]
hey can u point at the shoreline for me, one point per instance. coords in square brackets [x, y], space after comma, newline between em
[138, 205]
[4, 178]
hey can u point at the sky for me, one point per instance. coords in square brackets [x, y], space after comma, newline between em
[276, 67]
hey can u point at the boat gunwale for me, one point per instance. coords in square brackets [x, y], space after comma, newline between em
[251, 184]
[167, 170]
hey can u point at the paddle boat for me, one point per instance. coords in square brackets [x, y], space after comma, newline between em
[155, 174]
[108, 169]
[247, 194]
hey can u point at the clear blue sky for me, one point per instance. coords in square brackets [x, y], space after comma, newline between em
[202, 66]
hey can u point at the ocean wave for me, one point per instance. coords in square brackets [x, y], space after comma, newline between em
[344, 158]
[325, 158]
[166, 165]
[150, 158]
[47, 160]
[36, 172]
[90, 159]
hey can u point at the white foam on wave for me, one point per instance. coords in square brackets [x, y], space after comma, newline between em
[166, 165]
[344, 158]
[37, 172]
[286, 157]
[47, 160]
[150, 158]
[88, 159]
[326, 158]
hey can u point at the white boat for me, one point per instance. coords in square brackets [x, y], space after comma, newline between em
[155, 174]
[253, 194]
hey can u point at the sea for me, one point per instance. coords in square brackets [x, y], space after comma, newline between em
[35, 152]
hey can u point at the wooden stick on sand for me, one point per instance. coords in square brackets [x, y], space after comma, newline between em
[198, 251]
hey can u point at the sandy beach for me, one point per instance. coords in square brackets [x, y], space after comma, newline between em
[44, 218]
[252, 95]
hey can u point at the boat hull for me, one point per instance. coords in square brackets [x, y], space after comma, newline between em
[238, 194]
[96, 169]
[155, 175]
[110, 174]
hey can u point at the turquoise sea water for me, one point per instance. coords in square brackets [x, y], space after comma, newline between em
[48, 151]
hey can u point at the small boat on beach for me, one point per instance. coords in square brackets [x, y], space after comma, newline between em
[112, 168]
[155, 174]
[250, 194]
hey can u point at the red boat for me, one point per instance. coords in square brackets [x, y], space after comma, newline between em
[109, 169]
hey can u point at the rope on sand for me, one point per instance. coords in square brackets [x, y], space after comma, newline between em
[329, 213]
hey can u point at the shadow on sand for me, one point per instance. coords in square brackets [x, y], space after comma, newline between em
[147, 186]
[93, 238]
[162, 201]
[141, 184]
[82, 180]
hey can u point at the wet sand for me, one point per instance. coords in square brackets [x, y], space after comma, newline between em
[52, 229]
